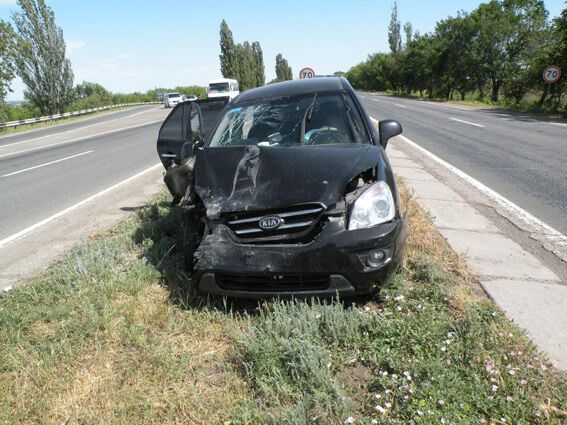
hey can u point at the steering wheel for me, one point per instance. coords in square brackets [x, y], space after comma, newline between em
[324, 136]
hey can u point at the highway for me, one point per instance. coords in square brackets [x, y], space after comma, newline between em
[520, 157]
[44, 171]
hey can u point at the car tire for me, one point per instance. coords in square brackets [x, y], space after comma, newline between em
[192, 234]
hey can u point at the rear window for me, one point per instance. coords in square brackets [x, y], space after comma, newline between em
[313, 119]
[174, 95]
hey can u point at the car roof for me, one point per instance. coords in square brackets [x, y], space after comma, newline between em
[294, 87]
[222, 80]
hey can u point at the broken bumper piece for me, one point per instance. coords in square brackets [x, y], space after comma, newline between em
[336, 262]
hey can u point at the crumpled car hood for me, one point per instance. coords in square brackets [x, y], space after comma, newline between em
[248, 178]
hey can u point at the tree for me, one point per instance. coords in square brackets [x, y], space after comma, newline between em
[40, 60]
[394, 35]
[408, 30]
[227, 55]
[506, 31]
[6, 68]
[283, 70]
[259, 64]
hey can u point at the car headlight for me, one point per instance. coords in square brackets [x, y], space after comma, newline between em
[374, 206]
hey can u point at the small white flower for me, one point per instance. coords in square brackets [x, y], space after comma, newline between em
[420, 413]
[388, 405]
[399, 298]
[443, 348]
[398, 308]
[441, 402]
[519, 353]
[367, 308]
[385, 373]
[329, 365]
[377, 396]
[512, 372]
[394, 376]
[380, 409]
[373, 421]
[543, 367]
[447, 341]
[349, 420]
[318, 316]
[523, 382]
[494, 388]
[509, 398]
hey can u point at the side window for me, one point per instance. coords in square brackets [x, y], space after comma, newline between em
[172, 129]
[193, 120]
[235, 87]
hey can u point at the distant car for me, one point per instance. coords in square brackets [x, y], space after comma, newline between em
[286, 191]
[172, 99]
[190, 98]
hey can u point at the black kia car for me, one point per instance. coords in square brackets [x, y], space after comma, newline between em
[286, 190]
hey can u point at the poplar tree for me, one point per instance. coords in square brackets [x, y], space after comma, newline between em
[394, 35]
[283, 70]
[259, 64]
[40, 60]
[6, 68]
[228, 51]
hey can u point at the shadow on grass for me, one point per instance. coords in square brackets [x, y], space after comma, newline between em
[158, 234]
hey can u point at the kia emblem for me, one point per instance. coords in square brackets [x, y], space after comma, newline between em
[270, 222]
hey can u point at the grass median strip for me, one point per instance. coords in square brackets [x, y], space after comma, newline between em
[114, 334]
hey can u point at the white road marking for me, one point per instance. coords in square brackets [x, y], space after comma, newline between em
[82, 138]
[30, 229]
[45, 164]
[400, 106]
[503, 202]
[74, 129]
[467, 122]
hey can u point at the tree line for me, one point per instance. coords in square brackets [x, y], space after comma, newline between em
[496, 52]
[245, 61]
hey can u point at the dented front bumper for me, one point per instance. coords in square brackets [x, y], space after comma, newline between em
[335, 262]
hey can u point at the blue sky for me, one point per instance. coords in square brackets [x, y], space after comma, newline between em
[128, 45]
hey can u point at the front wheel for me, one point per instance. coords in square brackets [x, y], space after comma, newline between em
[192, 233]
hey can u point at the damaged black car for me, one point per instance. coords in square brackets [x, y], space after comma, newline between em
[286, 191]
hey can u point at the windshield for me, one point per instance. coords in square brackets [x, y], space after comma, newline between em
[313, 119]
[218, 87]
[174, 95]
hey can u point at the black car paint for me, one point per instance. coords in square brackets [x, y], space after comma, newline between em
[245, 178]
[249, 178]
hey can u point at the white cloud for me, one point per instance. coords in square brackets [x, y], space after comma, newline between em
[74, 44]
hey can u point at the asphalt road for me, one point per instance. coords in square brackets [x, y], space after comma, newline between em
[521, 157]
[45, 171]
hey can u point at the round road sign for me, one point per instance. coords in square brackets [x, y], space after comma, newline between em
[551, 74]
[306, 73]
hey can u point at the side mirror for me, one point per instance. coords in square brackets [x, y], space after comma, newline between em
[197, 144]
[387, 130]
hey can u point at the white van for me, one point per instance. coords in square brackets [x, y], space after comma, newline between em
[223, 87]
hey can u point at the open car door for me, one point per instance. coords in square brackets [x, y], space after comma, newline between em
[187, 123]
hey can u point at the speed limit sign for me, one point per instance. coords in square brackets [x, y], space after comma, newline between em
[551, 74]
[306, 73]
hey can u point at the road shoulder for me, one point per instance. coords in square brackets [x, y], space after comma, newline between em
[519, 271]
[25, 257]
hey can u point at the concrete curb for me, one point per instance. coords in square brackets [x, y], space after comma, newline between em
[529, 292]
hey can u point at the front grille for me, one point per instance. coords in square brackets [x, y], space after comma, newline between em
[298, 221]
[272, 282]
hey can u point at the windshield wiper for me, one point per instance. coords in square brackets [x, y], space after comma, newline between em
[306, 117]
